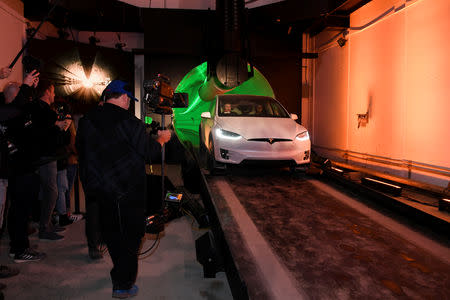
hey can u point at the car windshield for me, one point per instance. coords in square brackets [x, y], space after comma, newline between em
[250, 106]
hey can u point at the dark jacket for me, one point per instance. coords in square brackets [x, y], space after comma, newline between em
[36, 136]
[47, 138]
[7, 113]
[13, 118]
[113, 148]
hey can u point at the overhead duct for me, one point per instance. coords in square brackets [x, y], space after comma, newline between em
[227, 64]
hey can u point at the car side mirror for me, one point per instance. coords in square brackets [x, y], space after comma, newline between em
[206, 115]
[294, 117]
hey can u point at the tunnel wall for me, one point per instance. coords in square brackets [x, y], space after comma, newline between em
[395, 67]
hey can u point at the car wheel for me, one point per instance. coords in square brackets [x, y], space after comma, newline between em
[213, 166]
[200, 140]
[201, 146]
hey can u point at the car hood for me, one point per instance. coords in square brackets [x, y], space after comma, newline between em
[253, 127]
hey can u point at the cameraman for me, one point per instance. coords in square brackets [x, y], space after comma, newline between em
[113, 148]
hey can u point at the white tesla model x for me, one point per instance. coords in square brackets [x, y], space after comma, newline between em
[241, 128]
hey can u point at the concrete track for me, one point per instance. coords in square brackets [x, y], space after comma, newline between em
[294, 237]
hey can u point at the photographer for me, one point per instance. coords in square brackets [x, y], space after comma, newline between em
[9, 92]
[49, 137]
[113, 148]
[62, 204]
[23, 184]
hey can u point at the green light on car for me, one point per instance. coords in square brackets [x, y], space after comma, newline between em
[187, 120]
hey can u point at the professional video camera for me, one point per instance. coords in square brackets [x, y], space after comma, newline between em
[160, 96]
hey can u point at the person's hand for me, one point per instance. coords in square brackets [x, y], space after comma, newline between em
[5, 72]
[31, 79]
[67, 121]
[36, 82]
[163, 136]
[64, 124]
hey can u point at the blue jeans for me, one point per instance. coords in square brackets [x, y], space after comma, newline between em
[63, 186]
[71, 175]
[49, 188]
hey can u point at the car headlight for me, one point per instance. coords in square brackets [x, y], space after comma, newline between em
[224, 134]
[304, 136]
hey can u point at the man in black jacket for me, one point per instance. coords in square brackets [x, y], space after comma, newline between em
[23, 183]
[47, 142]
[113, 148]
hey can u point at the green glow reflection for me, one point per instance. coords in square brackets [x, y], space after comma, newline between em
[148, 120]
[187, 120]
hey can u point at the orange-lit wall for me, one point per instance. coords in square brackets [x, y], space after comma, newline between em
[397, 70]
[12, 29]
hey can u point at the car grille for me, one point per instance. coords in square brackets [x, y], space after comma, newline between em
[269, 140]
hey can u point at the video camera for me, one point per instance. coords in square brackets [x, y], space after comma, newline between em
[160, 96]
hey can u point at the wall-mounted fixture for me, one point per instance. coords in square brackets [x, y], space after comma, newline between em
[341, 42]
[363, 119]
[93, 40]
[120, 45]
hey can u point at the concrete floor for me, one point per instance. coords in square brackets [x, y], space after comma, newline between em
[169, 272]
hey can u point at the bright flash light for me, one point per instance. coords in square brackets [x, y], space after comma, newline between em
[82, 86]
[87, 83]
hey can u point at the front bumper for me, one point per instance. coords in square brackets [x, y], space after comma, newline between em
[236, 151]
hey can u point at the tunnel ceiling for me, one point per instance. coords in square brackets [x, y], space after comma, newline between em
[117, 16]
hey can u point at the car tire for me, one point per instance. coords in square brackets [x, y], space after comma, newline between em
[213, 166]
[202, 151]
